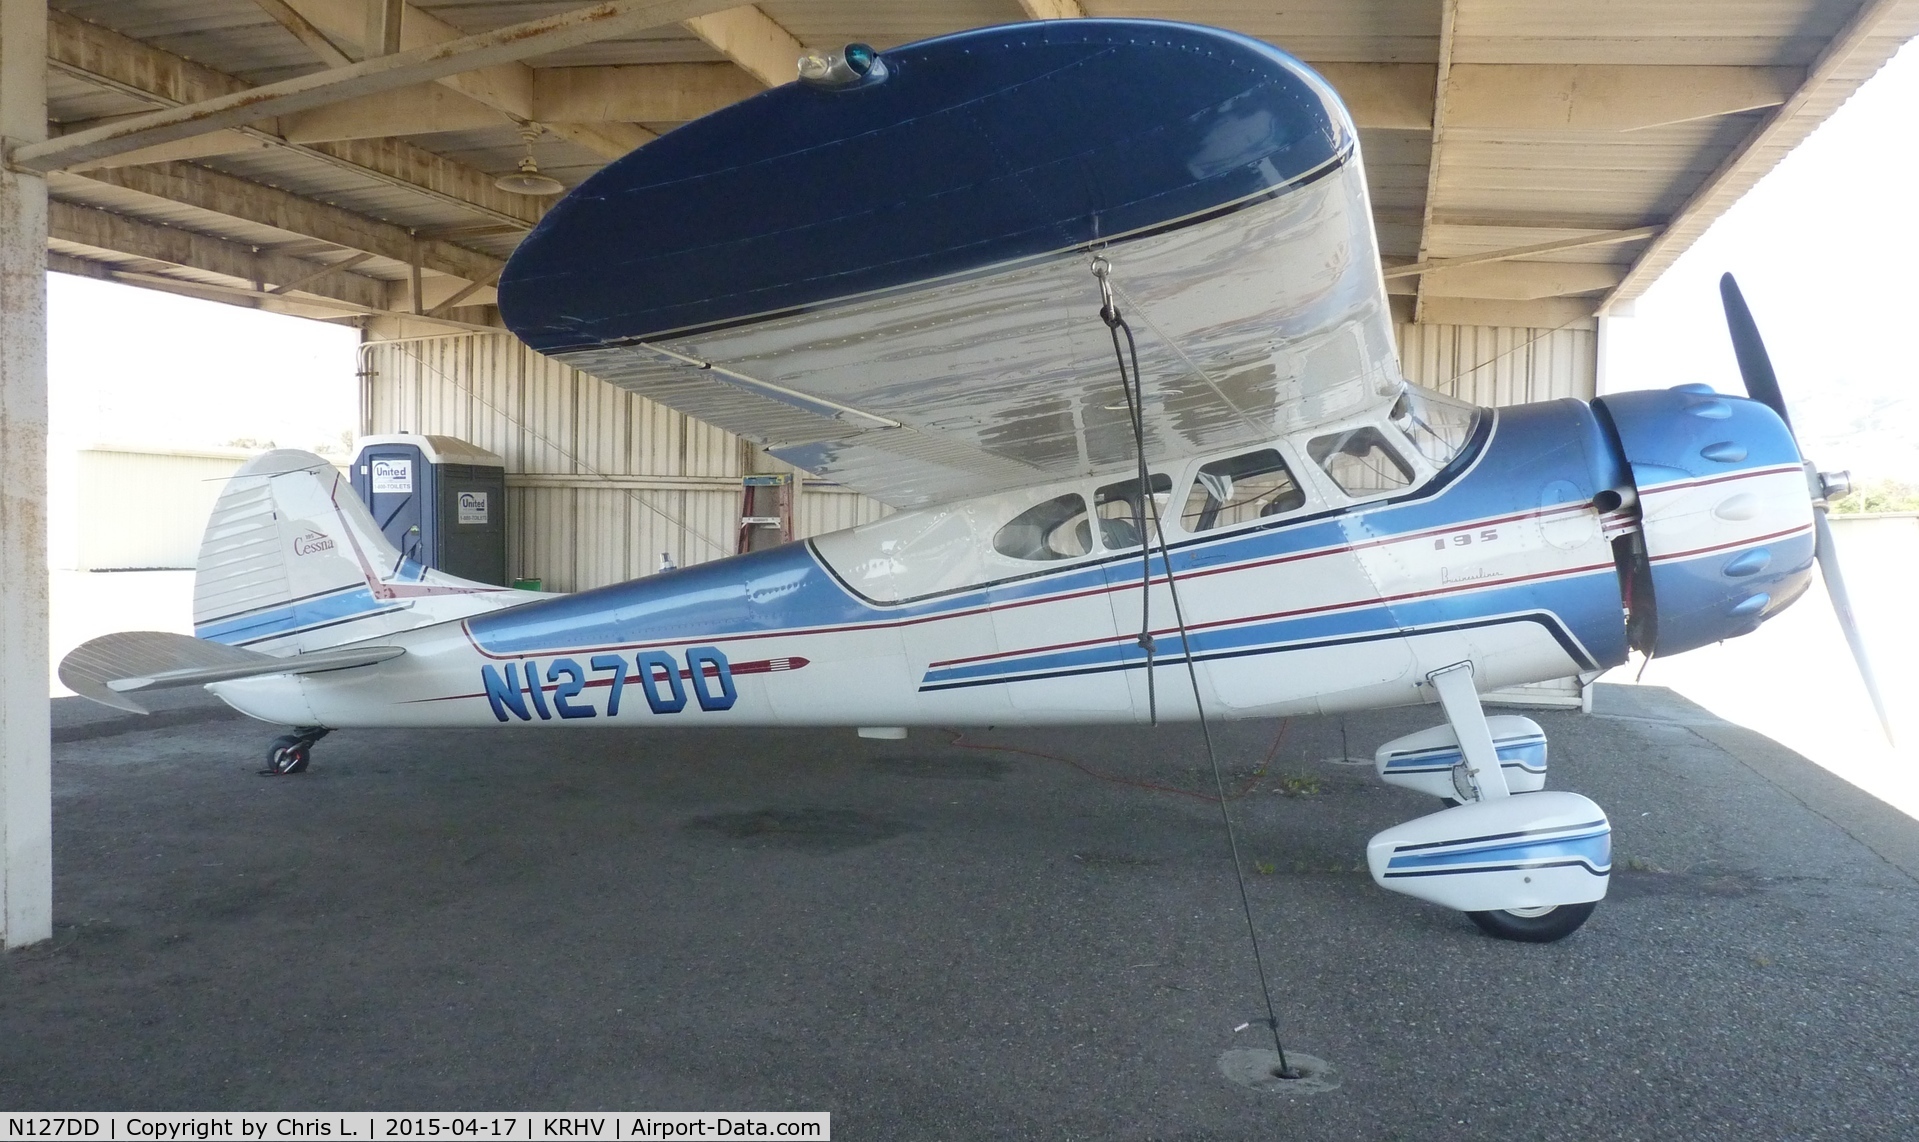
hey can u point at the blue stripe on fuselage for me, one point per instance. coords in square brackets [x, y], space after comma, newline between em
[349, 603]
[1359, 623]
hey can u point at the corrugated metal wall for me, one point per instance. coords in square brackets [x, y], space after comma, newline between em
[600, 482]
[1494, 366]
[138, 509]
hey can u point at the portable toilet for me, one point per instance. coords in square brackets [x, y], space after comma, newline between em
[440, 500]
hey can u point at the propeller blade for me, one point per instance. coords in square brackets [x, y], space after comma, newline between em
[1755, 366]
[1842, 607]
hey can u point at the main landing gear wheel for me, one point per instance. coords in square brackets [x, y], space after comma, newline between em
[1534, 925]
[290, 753]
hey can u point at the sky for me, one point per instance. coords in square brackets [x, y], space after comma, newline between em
[137, 366]
[1823, 248]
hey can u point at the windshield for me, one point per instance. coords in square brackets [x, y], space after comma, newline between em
[1438, 426]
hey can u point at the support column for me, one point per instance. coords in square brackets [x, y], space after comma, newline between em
[26, 800]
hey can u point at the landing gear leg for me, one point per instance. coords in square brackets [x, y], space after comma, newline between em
[1480, 778]
[290, 753]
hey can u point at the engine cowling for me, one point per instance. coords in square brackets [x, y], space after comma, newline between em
[1725, 536]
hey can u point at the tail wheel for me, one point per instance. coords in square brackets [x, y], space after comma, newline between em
[288, 754]
[1534, 925]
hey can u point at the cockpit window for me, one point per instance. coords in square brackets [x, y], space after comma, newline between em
[1360, 461]
[1240, 488]
[1437, 426]
[1121, 513]
[1056, 529]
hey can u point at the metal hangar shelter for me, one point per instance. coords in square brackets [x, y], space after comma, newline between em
[1533, 163]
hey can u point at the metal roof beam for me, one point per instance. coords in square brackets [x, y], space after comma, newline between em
[641, 93]
[269, 206]
[324, 49]
[1052, 9]
[1608, 97]
[1763, 148]
[126, 65]
[1437, 264]
[1478, 220]
[401, 164]
[464, 318]
[341, 266]
[1522, 281]
[310, 307]
[105, 230]
[751, 39]
[102, 55]
[1544, 313]
[1560, 97]
[1385, 96]
[1448, 20]
[385, 73]
[467, 319]
[506, 88]
[382, 27]
[459, 297]
[435, 293]
[423, 109]
[198, 147]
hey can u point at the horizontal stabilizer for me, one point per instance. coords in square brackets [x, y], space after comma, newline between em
[107, 667]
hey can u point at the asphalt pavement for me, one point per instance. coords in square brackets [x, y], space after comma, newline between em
[991, 933]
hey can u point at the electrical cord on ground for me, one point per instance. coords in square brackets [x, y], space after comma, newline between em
[1135, 402]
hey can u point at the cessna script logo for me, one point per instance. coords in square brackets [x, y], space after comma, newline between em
[312, 543]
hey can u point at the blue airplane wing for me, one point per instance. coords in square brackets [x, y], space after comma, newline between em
[890, 282]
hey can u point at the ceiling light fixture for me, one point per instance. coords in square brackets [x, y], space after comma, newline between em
[528, 180]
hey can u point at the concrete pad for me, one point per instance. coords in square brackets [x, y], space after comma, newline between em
[948, 938]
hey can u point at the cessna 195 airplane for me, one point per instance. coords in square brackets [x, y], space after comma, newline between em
[1097, 306]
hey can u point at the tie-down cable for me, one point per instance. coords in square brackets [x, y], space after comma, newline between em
[1146, 506]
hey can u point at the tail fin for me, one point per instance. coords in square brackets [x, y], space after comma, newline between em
[292, 562]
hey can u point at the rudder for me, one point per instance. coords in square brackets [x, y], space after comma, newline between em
[292, 562]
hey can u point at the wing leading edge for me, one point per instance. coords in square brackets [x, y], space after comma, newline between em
[891, 284]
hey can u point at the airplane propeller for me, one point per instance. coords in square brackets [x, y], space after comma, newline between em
[1762, 385]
